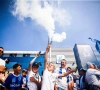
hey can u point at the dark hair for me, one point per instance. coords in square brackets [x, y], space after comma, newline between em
[2, 51]
[83, 70]
[24, 70]
[68, 67]
[2, 47]
[37, 64]
[16, 65]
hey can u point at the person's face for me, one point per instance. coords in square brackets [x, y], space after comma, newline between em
[35, 69]
[23, 73]
[81, 73]
[50, 67]
[1, 51]
[69, 69]
[17, 69]
[63, 63]
[91, 66]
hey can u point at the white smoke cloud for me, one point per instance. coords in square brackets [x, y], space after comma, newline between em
[59, 37]
[44, 14]
[61, 16]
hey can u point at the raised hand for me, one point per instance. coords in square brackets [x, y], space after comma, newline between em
[47, 48]
[74, 70]
[37, 54]
[32, 79]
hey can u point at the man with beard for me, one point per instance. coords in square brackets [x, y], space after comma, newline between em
[61, 83]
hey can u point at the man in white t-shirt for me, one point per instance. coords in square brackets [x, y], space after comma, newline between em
[2, 68]
[49, 78]
[3, 62]
[61, 83]
[34, 79]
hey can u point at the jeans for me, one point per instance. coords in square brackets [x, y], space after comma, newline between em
[60, 88]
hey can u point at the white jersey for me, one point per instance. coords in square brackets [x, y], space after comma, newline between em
[61, 82]
[32, 85]
[48, 80]
[2, 62]
[70, 78]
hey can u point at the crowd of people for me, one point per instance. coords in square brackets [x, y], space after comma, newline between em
[60, 78]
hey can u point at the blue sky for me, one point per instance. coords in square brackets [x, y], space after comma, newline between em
[30, 35]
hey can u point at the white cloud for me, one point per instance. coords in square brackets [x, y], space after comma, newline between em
[44, 14]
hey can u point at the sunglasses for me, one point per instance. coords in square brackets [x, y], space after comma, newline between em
[2, 72]
[1, 51]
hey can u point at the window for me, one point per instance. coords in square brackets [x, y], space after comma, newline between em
[26, 55]
[59, 58]
[12, 55]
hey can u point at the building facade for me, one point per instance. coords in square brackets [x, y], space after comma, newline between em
[24, 58]
[56, 54]
[59, 53]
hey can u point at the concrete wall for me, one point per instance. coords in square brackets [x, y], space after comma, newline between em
[67, 52]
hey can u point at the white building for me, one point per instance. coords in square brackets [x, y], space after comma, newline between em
[57, 53]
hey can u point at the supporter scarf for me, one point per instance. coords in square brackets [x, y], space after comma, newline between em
[60, 71]
[68, 76]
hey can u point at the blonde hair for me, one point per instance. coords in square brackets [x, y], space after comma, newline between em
[51, 63]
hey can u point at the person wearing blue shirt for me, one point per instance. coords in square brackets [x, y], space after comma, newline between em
[82, 82]
[14, 81]
[25, 79]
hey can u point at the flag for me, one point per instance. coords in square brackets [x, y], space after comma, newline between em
[97, 45]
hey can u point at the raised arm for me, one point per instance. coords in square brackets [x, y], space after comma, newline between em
[46, 56]
[96, 72]
[31, 62]
[67, 73]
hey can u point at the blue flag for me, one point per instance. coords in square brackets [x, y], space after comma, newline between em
[97, 45]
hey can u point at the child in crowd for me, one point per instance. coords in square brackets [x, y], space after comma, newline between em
[49, 77]
[34, 79]
[25, 79]
[70, 80]
[14, 81]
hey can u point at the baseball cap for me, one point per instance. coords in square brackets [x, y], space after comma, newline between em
[35, 64]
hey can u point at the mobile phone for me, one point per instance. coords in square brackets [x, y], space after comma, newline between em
[39, 53]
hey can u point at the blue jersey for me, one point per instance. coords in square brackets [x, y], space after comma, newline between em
[25, 79]
[13, 82]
